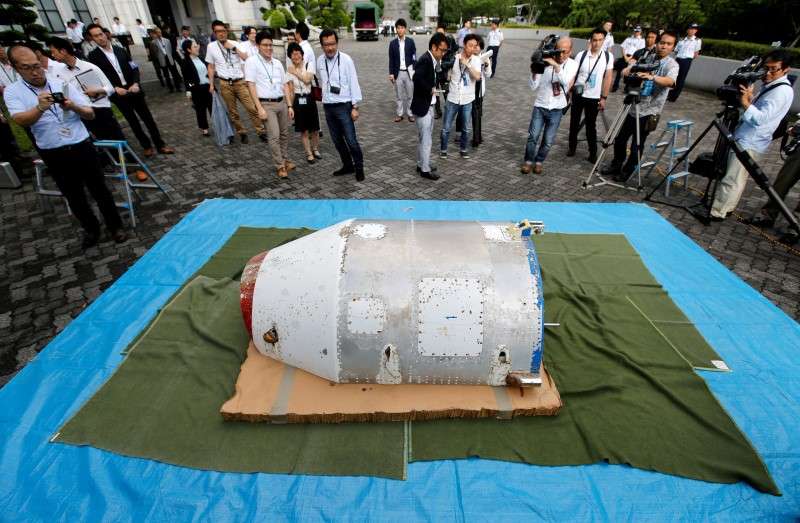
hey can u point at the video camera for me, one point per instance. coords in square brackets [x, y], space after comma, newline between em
[547, 49]
[745, 75]
[647, 63]
[447, 63]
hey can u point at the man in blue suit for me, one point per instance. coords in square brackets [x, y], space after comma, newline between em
[402, 55]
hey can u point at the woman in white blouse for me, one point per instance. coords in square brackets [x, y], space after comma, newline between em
[306, 118]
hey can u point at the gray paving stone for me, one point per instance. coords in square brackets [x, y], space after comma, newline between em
[46, 281]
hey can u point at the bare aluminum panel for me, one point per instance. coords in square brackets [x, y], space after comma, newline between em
[450, 317]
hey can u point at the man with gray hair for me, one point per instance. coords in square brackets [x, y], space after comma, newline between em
[550, 89]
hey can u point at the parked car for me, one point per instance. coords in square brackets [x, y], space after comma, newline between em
[421, 30]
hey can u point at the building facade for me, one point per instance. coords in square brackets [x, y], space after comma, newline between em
[197, 14]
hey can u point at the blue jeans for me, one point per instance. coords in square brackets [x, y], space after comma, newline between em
[343, 134]
[543, 121]
[450, 112]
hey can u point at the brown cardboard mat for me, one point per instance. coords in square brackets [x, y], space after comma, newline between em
[270, 391]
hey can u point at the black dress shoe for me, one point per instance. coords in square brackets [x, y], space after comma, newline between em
[90, 240]
[244, 138]
[790, 238]
[610, 170]
[433, 169]
[343, 171]
[263, 137]
[119, 236]
[430, 176]
[716, 219]
[591, 159]
[763, 222]
[360, 175]
[570, 152]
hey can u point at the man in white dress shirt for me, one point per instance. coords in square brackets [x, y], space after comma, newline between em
[608, 43]
[271, 86]
[629, 46]
[460, 94]
[762, 114]
[341, 95]
[494, 40]
[592, 84]
[301, 33]
[550, 90]
[688, 49]
[226, 62]
[249, 46]
[62, 141]
[75, 36]
[186, 35]
[118, 28]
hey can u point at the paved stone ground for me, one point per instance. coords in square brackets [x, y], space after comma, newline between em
[46, 280]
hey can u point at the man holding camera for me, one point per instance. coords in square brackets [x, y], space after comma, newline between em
[341, 94]
[461, 94]
[590, 92]
[54, 115]
[550, 88]
[449, 56]
[762, 114]
[425, 83]
[661, 80]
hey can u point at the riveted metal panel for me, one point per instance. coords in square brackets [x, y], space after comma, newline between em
[450, 317]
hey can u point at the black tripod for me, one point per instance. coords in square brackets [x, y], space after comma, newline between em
[725, 121]
[631, 101]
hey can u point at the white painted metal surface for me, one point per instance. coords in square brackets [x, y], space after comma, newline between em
[377, 301]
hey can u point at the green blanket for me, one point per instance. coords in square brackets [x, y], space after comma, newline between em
[621, 358]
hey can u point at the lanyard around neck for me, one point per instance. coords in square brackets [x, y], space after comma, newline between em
[338, 71]
[53, 108]
[264, 65]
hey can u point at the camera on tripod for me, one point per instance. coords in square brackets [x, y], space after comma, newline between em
[743, 76]
[547, 49]
[635, 84]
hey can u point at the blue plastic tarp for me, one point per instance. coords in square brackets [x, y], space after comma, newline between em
[49, 482]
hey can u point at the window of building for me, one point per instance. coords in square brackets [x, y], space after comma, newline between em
[49, 16]
[81, 11]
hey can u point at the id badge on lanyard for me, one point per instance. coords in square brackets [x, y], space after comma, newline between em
[556, 85]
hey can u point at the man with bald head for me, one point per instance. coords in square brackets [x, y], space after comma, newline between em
[54, 114]
[550, 90]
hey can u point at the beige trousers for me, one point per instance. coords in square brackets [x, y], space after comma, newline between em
[731, 186]
[238, 91]
[277, 124]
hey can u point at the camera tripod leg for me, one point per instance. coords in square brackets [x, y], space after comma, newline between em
[607, 141]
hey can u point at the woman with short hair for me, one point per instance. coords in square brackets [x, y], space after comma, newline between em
[306, 118]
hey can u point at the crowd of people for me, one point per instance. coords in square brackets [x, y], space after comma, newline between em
[64, 93]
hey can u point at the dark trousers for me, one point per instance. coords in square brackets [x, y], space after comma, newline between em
[9, 152]
[171, 75]
[588, 107]
[477, 117]
[343, 134]
[74, 167]
[627, 132]
[496, 49]
[133, 107]
[147, 40]
[104, 126]
[787, 178]
[201, 100]
[684, 64]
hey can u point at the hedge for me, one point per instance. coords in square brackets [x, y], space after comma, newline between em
[713, 47]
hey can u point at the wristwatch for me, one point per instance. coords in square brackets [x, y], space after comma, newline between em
[603, 97]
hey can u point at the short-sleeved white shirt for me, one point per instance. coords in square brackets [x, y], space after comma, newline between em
[268, 76]
[248, 47]
[56, 127]
[462, 86]
[687, 46]
[227, 63]
[593, 86]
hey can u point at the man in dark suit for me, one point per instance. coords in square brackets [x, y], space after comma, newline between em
[424, 85]
[163, 58]
[129, 98]
[402, 55]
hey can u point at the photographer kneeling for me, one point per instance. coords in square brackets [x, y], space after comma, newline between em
[550, 87]
[650, 107]
[762, 115]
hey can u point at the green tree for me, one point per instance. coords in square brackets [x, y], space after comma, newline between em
[328, 13]
[414, 10]
[275, 18]
[19, 17]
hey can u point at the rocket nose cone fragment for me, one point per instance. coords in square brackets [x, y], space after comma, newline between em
[247, 287]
